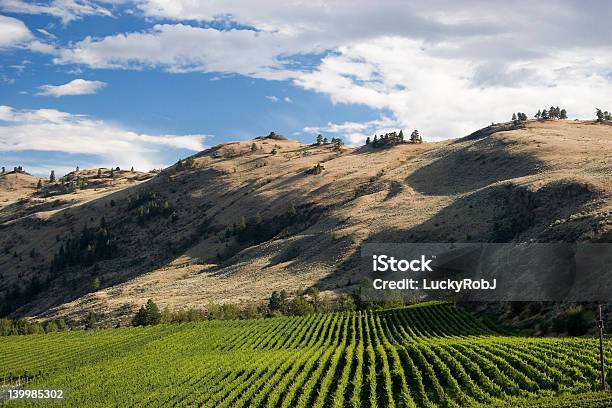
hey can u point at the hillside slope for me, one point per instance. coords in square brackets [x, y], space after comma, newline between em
[233, 223]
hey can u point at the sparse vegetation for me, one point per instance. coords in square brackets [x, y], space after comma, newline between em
[603, 115]
[551, 113]
[90, 246]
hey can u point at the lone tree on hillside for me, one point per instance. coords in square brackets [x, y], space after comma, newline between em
[253, 147]
[39, 185]
[415, 137]
[319, 139]
[147, 315]
[52, 176]
[603, 115]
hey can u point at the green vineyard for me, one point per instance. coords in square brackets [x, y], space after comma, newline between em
[431, 355]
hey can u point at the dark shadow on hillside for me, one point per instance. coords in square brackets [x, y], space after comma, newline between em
[505, 213]
[472, 167]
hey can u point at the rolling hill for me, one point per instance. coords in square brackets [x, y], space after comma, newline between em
[238, 220]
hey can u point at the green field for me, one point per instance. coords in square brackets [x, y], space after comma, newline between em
[427, 355]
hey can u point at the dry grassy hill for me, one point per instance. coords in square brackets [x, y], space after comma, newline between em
[234, 223]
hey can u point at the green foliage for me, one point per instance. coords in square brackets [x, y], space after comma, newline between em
[93, 244]
[319, 139]
[148, 205]
[147, 315]
[419, 356]
[603, 115]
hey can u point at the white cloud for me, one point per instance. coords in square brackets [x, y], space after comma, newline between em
[443, 67]
[355, 133]
[272, 98]
[46, 33]
[53, 130]
[74, 87]
[66, 10]
[287, 99]
[439, 95]
[13, 32]
[184, 48]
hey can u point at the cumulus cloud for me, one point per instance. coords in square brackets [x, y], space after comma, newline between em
[443, 96]
[440, 66]
[74, 87]
[427, 65]
[66, 10]
[57, 131]
[183, 48]
[13, 32]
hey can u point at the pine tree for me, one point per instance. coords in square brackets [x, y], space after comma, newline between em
[375, 143]
[325, 140]
[563, 114]
[253, 147]
[39, 185]
[514, 117]
[401, 136]
[147, 315]
[415, 137]
[544, 114]
[3, 170]
[538, 114]
[52, 176]
[132, 169]
[319, 139]
[367, 140]
[600, 115]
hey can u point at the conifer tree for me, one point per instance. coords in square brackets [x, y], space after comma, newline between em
[39, 185]
[367, 142]
[319, 139]
[52, 176]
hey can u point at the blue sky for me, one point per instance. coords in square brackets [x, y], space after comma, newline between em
[144, 82]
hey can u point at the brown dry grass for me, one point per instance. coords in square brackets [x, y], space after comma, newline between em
[447, 191]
